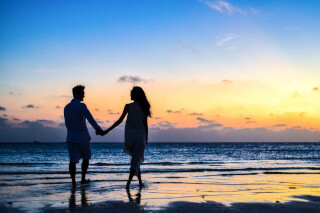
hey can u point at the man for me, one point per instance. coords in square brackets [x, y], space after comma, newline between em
[78, 138]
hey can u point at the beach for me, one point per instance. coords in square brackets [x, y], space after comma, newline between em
[222, 181]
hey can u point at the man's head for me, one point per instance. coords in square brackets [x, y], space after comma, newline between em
[78, 92]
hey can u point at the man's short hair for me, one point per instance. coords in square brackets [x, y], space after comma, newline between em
[77, 90]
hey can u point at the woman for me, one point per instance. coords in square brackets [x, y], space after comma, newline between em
[136, 131]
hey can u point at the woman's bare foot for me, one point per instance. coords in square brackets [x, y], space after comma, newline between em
[74, 184]
[141, 185]
[85, 181]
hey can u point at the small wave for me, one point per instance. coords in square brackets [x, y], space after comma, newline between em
[292, 173]
[162, 170]
[24, 164]
[156, 163]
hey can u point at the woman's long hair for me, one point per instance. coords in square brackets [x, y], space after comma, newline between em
[138, 95]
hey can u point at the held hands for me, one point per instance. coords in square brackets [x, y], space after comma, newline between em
[101, 132]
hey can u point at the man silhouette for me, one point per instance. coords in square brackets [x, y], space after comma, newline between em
[78, 138]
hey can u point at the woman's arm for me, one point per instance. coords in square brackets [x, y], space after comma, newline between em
[124, 113]
[145, 123]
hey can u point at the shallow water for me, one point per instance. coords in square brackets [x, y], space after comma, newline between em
[35, 176]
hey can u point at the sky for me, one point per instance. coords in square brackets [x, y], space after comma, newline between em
[213, 71]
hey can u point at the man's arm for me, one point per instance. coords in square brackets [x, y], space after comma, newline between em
[91, 120]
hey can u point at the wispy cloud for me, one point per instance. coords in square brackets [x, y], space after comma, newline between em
[57, 107]
[187, 46]
[30, 106]
[131, 79]
[171, 111]
[224, 7]
[279, 125]
[226, 81]
[208, 123]
[112, 113]
[196, 114]
[166, 124]
[99, 121]
[203, 120]
[293, 28]
[2, 108]
[226, 38]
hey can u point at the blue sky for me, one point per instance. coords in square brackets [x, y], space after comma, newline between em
[185, 52]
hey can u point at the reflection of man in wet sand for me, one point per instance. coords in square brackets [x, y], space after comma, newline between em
[78, 138]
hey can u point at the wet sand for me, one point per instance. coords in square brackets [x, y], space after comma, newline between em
[184, 192]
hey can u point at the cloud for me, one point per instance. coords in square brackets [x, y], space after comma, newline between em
[112, 113]
[170, 111]
[279, 125]
[227, 81]
[30, 106]
[316, 89]
[3, 122]
[2, 108]
[96, 109]
[293, 28]
[165, 124]
[196, 114]
[57, 107]
[226, 38]
[247, 118]
[203, 120]
[187, 46]
[16, 119]
[210, 125]
[163, 131]
[107, 121]
[99, 121]
[296, 95]
[65, 96]
[131, 79]
[224, 7]
[43, 121]
[31, 124]
[296, 127]
[5, 115]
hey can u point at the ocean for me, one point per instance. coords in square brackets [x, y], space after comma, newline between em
[171, 171]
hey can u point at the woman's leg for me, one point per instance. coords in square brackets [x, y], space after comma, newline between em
[132, 172]
[139, 178]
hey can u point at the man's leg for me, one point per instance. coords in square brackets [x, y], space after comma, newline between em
[72, 171]
[84, 167]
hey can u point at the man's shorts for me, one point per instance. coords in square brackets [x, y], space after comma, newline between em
[78, 151]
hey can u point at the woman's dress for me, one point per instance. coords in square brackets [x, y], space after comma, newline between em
[135, 135]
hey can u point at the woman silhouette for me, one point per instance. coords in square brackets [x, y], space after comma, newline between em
[136, 130]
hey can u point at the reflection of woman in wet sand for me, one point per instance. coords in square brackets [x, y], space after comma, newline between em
[136, 130]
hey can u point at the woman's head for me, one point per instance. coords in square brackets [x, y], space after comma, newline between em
[138, 95]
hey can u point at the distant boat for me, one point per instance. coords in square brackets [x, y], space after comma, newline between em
[35, 141]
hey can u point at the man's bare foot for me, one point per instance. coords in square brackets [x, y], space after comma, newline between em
[85, 181]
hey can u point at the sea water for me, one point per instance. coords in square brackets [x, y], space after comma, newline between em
[171, 171]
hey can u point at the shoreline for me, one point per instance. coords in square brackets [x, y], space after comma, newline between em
[308, 204]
